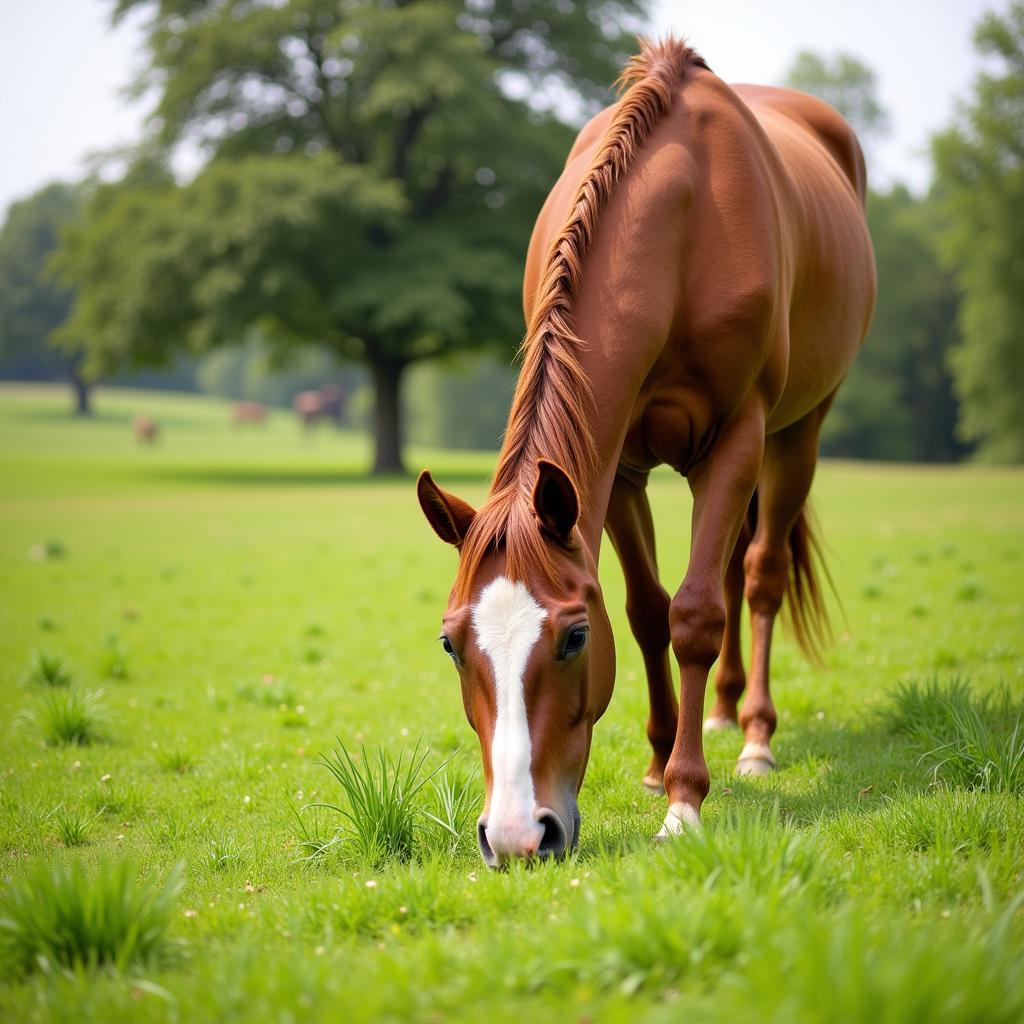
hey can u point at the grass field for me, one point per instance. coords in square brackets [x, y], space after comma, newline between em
[214, 614]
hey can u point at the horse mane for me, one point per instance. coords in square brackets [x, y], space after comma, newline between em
[553, 406]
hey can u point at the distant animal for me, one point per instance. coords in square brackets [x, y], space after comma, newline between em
[243, 413]
[697, 285]
[332, 402]
[146, 429]
[308, 406]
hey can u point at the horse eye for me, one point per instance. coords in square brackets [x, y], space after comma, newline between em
[447, 645]
[575, 641]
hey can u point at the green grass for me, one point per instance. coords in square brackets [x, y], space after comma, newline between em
[58, 917]
[248, 601]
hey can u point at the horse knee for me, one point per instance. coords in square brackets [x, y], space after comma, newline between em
[648, 618]
[697, 625]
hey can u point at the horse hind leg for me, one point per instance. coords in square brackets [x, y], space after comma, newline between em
[730, 677]
[783, 486]
[631, 529]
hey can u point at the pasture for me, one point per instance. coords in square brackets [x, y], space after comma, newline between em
[230, 604]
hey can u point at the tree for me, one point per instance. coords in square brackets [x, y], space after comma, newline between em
[897, 401]
[374, 170]
[979, 166]
[846, 84]
[32, 303]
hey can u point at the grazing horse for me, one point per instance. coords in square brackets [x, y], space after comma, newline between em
[697, 285]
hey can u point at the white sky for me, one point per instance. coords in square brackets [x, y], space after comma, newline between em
[62, 69]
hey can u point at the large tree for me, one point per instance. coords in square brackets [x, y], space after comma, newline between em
[979, 165]
[32, 303]
[373, 171]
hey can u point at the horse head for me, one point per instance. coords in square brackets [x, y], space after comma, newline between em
[528, 635]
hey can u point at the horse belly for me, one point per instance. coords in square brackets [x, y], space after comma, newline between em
[828, 316]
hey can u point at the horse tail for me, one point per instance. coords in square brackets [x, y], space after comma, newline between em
[807, 615]
[804, 611]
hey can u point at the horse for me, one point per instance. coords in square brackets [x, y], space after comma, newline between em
[244, 413]
[146, 429]
[697, 285]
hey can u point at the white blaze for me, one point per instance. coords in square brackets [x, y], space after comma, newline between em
[507, 623]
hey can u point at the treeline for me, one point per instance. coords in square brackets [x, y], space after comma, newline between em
[373, 172]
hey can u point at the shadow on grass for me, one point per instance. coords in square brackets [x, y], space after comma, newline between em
[828, 769]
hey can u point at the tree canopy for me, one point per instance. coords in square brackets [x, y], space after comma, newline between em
[846, 83]
[979, 166]
[373, 174]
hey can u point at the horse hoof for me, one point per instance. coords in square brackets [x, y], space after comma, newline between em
[755, 759]
[680, 818]
[719, 723]
[654, 784]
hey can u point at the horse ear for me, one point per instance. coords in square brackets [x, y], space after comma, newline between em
[555, 500]
[449, 516]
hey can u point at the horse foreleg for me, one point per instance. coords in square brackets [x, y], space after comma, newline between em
[730, 678]
[722, 486]
[631, 530]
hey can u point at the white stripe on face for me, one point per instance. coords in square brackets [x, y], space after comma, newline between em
[507, 624]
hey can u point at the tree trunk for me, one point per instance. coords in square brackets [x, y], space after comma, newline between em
[387, 378]
[83, 395]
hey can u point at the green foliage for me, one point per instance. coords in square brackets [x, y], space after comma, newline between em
[32, 303]
[846, 84]
[460, 403]
[980, 179]
[58, 917]
[897, 401]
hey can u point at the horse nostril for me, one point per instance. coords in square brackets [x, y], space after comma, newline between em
[485, 847]
[554, 840]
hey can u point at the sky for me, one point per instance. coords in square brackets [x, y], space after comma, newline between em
[63, 70]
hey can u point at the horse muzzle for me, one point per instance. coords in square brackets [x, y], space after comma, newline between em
[546, 836]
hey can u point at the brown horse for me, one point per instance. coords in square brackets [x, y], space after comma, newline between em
[697, 285]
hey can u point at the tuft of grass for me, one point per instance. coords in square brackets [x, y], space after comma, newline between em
[72, 828]
[966, 739]
[55, 916]
[380, 813]
[69, 717]
[453, 804]
[47, 668]
[175, 761]
[223, 852]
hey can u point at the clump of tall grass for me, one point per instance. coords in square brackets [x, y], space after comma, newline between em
[975, 740]
[70, 717]
[451, 807]
[58, 917]
[72, 827]
[46, 668]
[175, 761]
[380, 814]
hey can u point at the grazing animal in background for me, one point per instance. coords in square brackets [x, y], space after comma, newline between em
[246, 413]
[698, 283]
[146, 430]
[308, 406]
[332, 402]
